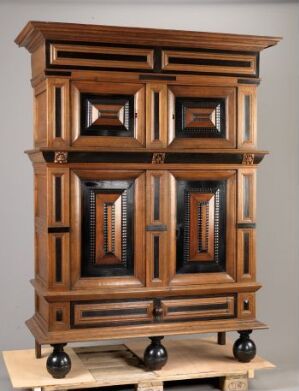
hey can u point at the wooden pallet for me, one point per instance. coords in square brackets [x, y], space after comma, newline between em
[114, 365]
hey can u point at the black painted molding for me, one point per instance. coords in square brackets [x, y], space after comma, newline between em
[146, 157]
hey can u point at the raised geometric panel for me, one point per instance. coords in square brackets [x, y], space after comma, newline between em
[107, 228]
[201, 226]
[200, 117]
[107, 115]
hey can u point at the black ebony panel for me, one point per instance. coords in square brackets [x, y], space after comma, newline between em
[185, 107]
[58, 189]
[58, 259]
[113, 312]
[156, 197]
[199, 307]
[58, 112]
[211, 62]
[147, 157]
[117, 119]
[156, 116]
[101, 56]
[89, 190]
[246, 252]
[156, 256]
[184, 264]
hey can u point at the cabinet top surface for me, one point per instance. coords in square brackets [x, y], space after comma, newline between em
[35, 33]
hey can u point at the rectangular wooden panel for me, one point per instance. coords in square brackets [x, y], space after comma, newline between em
[59, 316]
[114, 313]
[106, 114]
[158, 217]
[202, 117]
[202, 226]
[59, 260]
[156, 115]
[40, 136]
[77, 56]
[200, 61]
[247, 195]
[192, 263]
[246, 254]
[201, 308]
[247, 117]
[58, 197]
[246, 305]
[58, 111]
[108, 216]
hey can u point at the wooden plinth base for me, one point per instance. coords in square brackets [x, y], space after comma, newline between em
[99, 366]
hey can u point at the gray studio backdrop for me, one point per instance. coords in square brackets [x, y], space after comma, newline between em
[278, 126]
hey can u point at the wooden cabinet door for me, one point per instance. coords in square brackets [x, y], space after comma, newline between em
[107, 228]
[201, 117]
[203, 206]
[108, 114]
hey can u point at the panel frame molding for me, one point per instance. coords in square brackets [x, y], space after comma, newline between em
[138, 278]
[208, 278]
[103, 88]
[227, 93]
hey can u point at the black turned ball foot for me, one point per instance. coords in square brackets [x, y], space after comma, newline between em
[155, 355]
[59, 363]
[244, 348]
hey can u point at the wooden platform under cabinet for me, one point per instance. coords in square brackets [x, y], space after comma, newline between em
[101, 366]
[145, 157]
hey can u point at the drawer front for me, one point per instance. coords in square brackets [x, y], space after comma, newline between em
[196, 309]
[112, 314]
[155, 310]
[64, 55]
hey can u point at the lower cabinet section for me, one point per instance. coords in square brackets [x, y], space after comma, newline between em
[61, 316]
[125, 312]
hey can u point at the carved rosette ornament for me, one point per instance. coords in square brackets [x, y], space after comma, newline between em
[158, 158]
[60, 157]
[248, 159]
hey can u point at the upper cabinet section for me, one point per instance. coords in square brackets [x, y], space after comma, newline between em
[142, 88]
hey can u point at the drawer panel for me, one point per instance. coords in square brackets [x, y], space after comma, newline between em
[112, 314]
[196, 61]
[152, 310]
[64, 55]
[199, 308]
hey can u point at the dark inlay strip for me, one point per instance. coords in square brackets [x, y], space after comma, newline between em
[58, 188]
[57, 73]
[146, 157]
[57, 111]
[246, 190]
[204, 307]
[248, 81]
[158, 227]
[156, 256]
[59, 316]
[246, 225]
[246, 252]
[105, 313]
[58, 229]
[58, 259]
[101, 56]
[156, 77]
[156, 116]
[212, 62]
[246, 118]
[156, 198]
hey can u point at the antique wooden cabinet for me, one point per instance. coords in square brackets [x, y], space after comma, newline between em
[145, 160]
